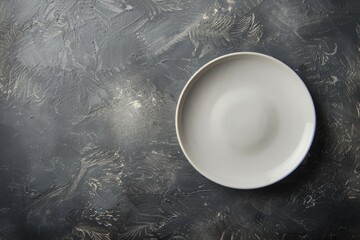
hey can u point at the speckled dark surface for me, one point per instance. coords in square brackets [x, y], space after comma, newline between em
[88, 90]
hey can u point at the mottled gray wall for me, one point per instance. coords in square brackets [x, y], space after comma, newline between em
[88, 90]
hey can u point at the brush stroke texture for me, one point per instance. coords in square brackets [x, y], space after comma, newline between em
[88, 90]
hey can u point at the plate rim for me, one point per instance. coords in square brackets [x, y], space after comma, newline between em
[192, 80]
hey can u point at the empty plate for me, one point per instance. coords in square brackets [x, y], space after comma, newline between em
[245, 120]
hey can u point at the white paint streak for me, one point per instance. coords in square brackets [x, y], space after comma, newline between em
[136, 104]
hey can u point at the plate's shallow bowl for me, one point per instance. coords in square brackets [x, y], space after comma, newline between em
[245, 120]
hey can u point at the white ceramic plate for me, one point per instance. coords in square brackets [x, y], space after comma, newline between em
[245, 120]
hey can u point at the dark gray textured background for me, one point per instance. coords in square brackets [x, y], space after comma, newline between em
[88, 90]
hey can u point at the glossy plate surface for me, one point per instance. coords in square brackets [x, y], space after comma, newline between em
[245, 120]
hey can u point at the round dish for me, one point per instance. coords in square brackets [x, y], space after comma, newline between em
[245, 120]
